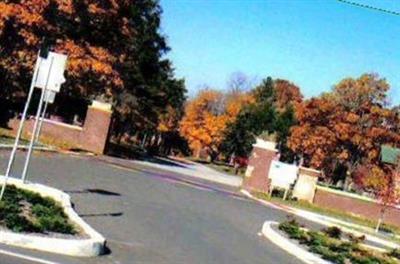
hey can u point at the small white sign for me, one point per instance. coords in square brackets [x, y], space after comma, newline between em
[282, 175]
[49, 96]
[50, 74]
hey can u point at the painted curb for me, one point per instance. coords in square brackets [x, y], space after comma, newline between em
[324, 220]
[290, 247]
[86, 247]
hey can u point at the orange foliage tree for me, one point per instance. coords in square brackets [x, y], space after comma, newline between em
[346, 126]
[286, 93]
[76, 29]
[206, 117]
[383, 181]
[115, 54]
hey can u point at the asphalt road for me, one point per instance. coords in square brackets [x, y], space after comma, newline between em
[151, 216]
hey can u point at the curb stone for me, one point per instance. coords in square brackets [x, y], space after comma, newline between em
[87, 247]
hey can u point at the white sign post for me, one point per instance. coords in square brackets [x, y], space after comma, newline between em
[21, 125]
[48, 75]
[49, 97]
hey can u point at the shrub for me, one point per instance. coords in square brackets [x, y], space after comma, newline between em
[395, 253]
[328, 245]
[333, 232]
[356, 239]
[45, 214]
[292, 228]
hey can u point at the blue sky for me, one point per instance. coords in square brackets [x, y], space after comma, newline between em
[313, 43]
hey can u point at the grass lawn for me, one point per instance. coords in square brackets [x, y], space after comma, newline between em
[221, 167]
[26, 211]
[345, 216]
[7, 138]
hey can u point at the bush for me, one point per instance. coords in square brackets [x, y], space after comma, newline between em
[328, 245]
[333, 232]
[356, 239]
[395, 253]
[292, 228]
[41, 214]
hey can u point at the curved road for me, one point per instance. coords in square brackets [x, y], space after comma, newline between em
[150, 216]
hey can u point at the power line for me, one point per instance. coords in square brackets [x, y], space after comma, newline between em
[391, 12]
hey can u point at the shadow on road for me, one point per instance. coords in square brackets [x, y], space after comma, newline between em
[136, 153]
[96, 191]
[102, 214]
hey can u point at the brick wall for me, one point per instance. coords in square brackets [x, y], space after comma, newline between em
[363, 208]
[91, 137]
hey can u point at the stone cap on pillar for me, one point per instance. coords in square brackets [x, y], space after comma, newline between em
[264, 144]
[101, 106]
[310, 172]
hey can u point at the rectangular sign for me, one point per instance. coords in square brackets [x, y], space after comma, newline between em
[50, 74]
[282, 175]
[49, 96]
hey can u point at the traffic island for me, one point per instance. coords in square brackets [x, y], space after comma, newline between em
[330, 245]
[39, 217]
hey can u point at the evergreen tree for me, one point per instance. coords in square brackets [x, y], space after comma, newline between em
[266, 116]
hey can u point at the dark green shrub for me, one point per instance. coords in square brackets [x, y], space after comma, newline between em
[386, 228]
[318, 239]
[328, 254]
[333, 232]
[356, 239]
[367, 260]
[56, 224]
[342, 247]
[45, 214]
[292, 228]
[395, 253]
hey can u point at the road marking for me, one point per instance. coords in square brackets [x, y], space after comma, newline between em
[26, 257]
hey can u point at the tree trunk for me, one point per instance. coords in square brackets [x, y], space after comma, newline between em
[380, 220]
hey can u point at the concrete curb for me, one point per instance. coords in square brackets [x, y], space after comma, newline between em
[324, 220]
[87, 247]
[25, 147]
[216, 176]
[287, 245]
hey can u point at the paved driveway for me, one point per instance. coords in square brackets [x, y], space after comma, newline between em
[151, 216]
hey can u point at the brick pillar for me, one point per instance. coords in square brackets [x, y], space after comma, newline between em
[256, 178]
[306, 184]
[96, 127]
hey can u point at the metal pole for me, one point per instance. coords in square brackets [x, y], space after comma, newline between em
[20, 128]
[35, 127]
[41, 121]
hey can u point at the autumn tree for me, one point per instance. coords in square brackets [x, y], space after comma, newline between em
[286, 94]
[116, 54]
[382, 181]
[345, 127]
[206, 117]
[271, 112]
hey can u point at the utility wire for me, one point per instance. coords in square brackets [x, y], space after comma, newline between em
[391, 12]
